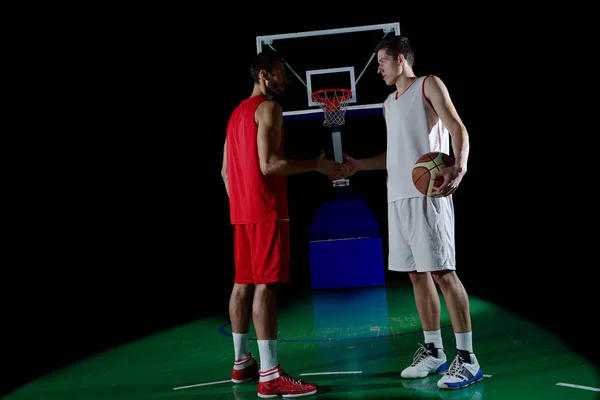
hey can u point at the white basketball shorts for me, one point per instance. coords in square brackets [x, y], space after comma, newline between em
[421, 234]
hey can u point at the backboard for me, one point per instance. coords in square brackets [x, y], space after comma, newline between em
[332, 58]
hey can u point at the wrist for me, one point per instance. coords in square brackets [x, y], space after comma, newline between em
[460, 169]
[314, 164]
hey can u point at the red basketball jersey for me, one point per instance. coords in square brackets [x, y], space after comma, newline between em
[253, 197]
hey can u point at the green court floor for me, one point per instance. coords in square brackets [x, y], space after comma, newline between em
[353, 343]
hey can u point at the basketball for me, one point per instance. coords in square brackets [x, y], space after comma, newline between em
[425, 166]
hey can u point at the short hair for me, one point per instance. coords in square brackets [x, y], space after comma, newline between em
[262, 61]
[395, 45]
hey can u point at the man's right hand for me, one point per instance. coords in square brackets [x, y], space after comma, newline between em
[333, 169]
[350, 164]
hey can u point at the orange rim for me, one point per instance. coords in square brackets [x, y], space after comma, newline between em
[331, 103]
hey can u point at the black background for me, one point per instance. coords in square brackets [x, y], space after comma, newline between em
[124, 228]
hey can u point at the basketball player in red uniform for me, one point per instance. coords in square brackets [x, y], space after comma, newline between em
[254, 171]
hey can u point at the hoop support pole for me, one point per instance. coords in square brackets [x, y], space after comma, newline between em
[336, 137]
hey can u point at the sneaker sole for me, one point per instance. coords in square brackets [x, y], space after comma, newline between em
[243, 381]
[461, 386]
[424, 376]
[286, 396]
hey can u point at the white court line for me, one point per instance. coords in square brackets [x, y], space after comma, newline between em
[350, 372]
[333, 373]
[353, 372]
[202, 384]
[578, 386]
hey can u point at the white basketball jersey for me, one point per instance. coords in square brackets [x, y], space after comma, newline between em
[413, 129]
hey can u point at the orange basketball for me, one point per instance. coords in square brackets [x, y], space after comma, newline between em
[425, 166]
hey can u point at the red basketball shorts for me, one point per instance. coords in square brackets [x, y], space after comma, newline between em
[262, 252]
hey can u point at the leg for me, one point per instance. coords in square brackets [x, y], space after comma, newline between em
[264, 311]
[428, 358]
[239, 314]
[245, 367]
[264, 316]
[465, 369]
[429, 310]
[271, 267]
[432, 240]
[457, 302]
[436, 253]
[427, 300]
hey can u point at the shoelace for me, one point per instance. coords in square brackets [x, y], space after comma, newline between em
[420, 355]
[456, 367]
[289, 378]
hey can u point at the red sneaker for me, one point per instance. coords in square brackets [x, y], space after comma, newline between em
[284, 386]
[250, 373]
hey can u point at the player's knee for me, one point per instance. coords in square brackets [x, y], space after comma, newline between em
[418, 278]
[444, 277]
[267, 289]
[242, 289]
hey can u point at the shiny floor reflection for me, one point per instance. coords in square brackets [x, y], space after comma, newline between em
[353, 343]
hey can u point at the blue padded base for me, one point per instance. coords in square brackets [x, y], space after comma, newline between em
[346, 263]
[342, 219]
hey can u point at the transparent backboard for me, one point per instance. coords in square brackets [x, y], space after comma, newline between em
[332, 58]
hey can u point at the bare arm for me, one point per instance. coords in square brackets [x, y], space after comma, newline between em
[437, 92]
[224, 168]
[269, 117]
[366, 164]
[377, 162]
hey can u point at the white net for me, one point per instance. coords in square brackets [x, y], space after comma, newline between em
[334, 103]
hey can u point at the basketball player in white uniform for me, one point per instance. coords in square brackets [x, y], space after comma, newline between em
[421, 118]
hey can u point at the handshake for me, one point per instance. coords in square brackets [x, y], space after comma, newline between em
[336, 170]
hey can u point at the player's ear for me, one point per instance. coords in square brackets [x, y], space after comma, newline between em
[401, 58]
[264, 74]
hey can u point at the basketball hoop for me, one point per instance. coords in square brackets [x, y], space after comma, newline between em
[334, 103]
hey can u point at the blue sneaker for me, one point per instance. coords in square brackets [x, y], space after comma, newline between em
[464, 371]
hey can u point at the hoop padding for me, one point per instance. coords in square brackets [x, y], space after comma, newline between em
[334, 103]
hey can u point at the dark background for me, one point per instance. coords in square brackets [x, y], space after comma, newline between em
[126, 230]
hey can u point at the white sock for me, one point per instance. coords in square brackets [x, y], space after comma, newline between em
[268, 357]
[434, 337]
[240, 345]
[464, 341]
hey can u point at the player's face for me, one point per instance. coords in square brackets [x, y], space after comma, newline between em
[277, 80]
[389, 68]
